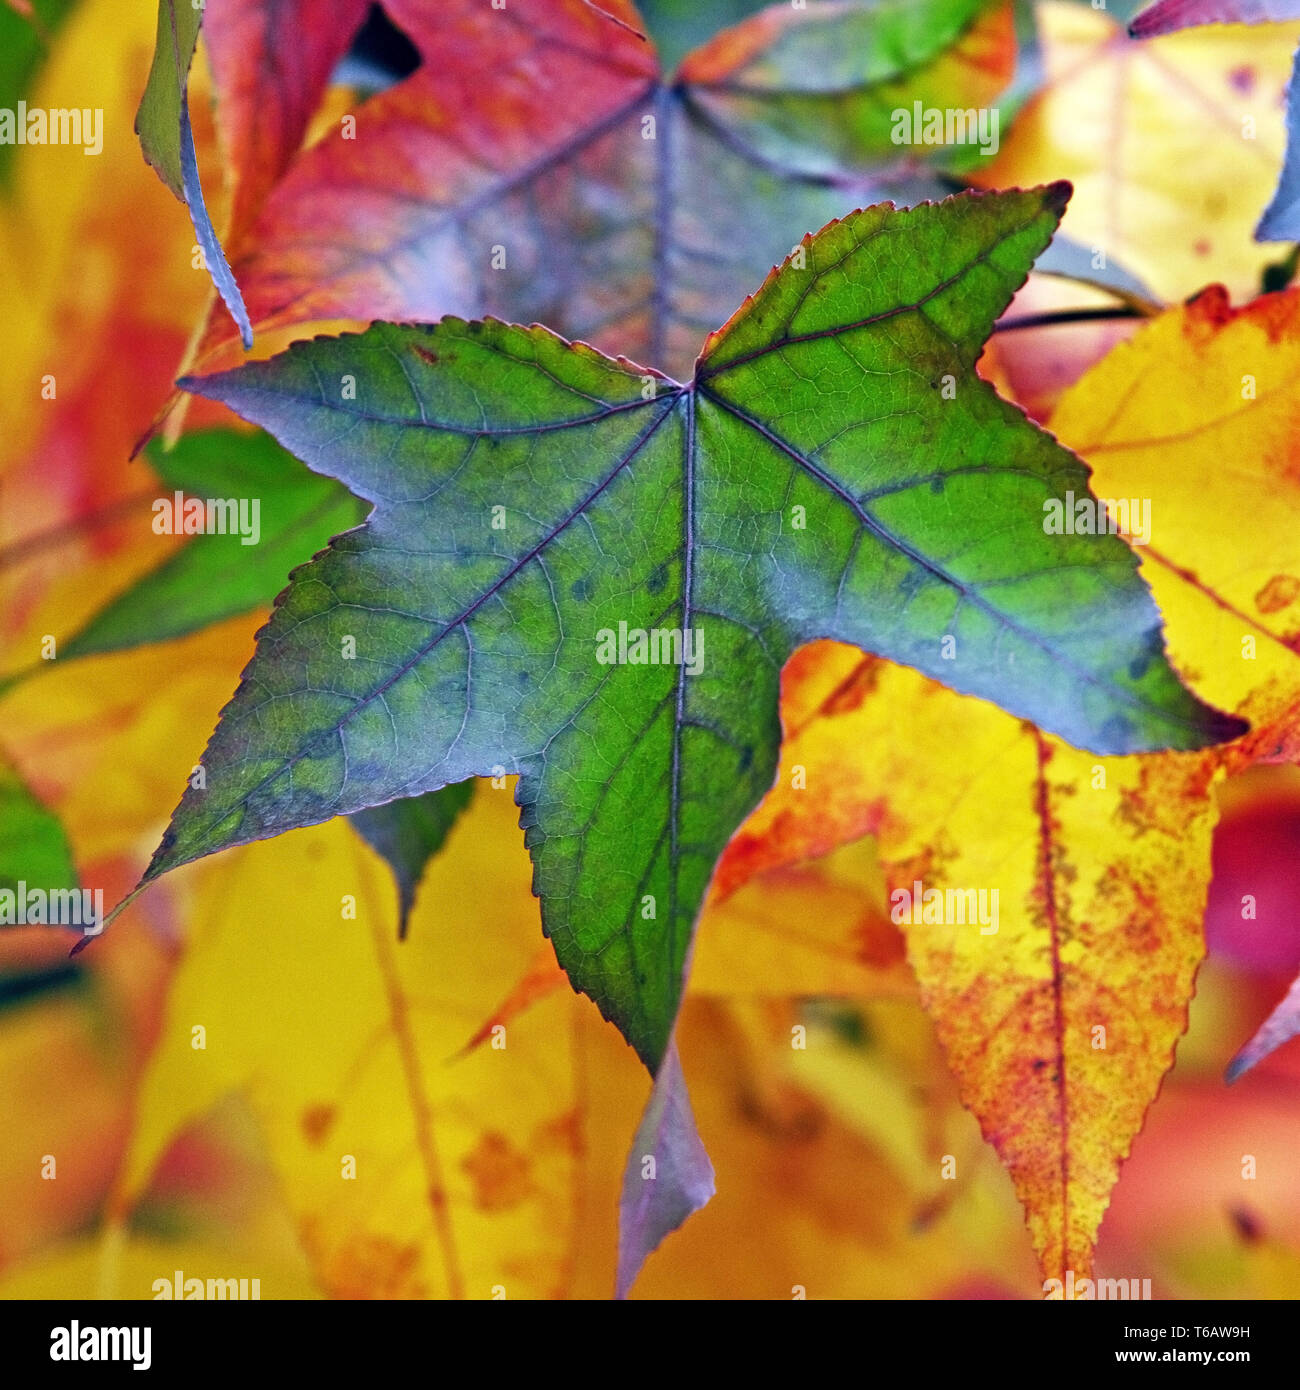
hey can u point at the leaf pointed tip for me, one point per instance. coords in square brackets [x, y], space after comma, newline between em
[678, 1181]
[115, 912]
[206, 386]
[1057, 196]
[216, 386]
[1054, 196]
[1153, 20]
[1226, 728]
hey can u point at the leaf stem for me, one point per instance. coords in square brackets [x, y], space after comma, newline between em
[1059, 316]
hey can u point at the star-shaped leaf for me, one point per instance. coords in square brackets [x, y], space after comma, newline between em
[589, 575]
[540, 164]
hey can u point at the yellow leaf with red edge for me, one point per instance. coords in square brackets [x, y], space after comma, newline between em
[1200, 413]
[1061, 1023]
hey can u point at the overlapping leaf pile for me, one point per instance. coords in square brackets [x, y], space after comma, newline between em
[831, 467]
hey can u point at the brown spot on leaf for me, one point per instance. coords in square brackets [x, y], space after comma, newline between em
[781, 1112]
[425, 355]
[499, 1172]
[563, 1134]
[316, 1121]
[850, 693]
[1280, 592]
[1248, 1226]
[362, 1266]
[877, 941]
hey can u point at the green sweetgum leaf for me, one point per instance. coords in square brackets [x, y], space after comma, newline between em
[835, 469]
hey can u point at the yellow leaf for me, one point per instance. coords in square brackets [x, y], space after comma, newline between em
[803, 929]
[1173, 145]
[411, 1171]
[97, 744]
[1200, 414]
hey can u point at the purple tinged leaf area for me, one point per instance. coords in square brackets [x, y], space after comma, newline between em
[1166, 16]
[213, 254]
[1281, 219]
[1279, 1027]
[652, 1207]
